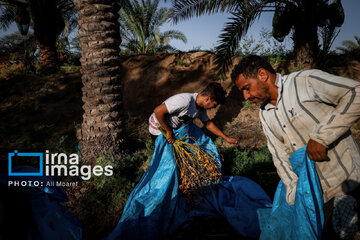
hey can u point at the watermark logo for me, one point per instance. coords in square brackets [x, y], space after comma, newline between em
[57, 164]
[15, 154]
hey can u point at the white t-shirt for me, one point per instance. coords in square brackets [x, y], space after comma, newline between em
[182, 109]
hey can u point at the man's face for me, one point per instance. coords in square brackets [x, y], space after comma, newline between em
[253, 89]
[209, 103]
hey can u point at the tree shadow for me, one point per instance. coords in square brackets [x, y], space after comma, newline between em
[227, 112]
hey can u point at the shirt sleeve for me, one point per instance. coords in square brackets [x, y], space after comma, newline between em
[281, 161]
[177, 103]
[344, 95]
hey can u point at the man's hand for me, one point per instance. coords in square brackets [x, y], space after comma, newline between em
[170, 137]
[231, 140]
[316, 151]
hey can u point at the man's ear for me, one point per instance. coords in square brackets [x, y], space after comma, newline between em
[262, 75]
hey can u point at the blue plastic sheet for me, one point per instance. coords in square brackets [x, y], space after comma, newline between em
[304, 219]
[42, 216]
[156, 209]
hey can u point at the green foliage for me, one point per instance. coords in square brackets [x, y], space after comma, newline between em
[23, 13]
[242, 161]
[21, 49]
[291, 16]
[254, 163]
[265, 46]
[107, 195]
[115, 189]
[221, 77]
[180, 62]
[140, 27]
[248, 105]
[68, 49]
[195, 49]
[351, 48]
[70, 68]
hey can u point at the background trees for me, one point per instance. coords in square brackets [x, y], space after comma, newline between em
[140, 27]
[351, 47]
[47, 19]
[300, 18]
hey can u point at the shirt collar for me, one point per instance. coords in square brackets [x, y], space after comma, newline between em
[279, 83]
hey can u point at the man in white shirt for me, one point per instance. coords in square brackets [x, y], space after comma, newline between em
[182, 108]
[312, 108]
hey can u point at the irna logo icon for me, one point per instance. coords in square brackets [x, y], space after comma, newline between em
[16, 154]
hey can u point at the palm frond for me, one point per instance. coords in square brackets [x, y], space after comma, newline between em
[357, 38]
[185, 9]
[174, 34]
[7, 16]
[234, 30]
[140, 23]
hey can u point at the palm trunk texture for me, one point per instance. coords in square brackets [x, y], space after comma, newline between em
[101, 130]
[306, 41]
[44, 16]
[306, 46]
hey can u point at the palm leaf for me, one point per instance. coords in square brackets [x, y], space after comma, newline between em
[185, 9]
[140, 25]
[7, 16]
[173, 34]
[236, 28]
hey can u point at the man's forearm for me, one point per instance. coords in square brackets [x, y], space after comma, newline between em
[214, 129]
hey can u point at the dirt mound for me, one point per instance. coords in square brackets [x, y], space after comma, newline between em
[149, 80]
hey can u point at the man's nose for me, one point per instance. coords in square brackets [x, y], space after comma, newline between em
[246, 95]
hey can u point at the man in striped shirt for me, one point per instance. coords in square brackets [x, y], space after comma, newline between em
[312, 108]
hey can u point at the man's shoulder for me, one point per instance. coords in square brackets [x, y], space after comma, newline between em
[180, 99]
[308, 72]
[187, 97]
[302, 75]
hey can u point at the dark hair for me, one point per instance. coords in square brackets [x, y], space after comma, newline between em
[249, 66]
[215, 92]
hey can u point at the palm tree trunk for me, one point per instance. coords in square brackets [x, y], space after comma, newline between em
[101, 130]
[305, 37]
[44, 16]
[306, 46]
[48, 57]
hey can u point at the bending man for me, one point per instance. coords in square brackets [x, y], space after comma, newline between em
[312, 108]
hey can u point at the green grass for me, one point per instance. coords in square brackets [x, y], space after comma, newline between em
[180, 62]
[248, 105]
[254, 163]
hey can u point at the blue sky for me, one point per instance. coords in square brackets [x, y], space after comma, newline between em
[203, 31]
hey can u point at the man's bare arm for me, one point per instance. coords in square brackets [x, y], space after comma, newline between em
[160, 113]
[210, 125]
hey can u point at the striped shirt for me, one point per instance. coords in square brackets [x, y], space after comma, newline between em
[313, 104]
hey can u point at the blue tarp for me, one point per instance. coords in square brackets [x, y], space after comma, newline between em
[304, 219]
[34, 212]
[155, 208]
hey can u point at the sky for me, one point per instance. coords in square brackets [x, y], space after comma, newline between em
[202, 32]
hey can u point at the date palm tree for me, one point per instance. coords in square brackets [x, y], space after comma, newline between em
[349, 46]
[140, 27]
[101, 130]
[301, 18]
[47, 18]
